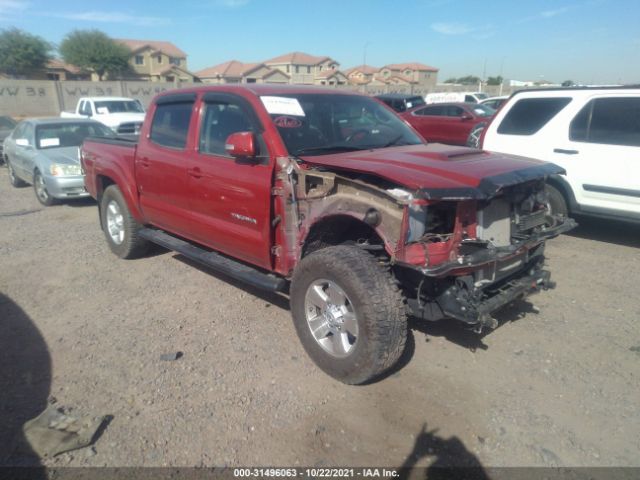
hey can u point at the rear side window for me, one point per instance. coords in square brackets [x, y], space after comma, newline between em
[436, 111]
[170, 124]
[612, 121]
[529, 115]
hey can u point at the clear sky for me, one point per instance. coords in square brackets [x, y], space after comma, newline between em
[588, 41]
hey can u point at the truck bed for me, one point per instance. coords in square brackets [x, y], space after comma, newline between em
[111, 157]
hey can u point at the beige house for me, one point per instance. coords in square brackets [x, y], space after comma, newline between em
[158, 61]
[238, 72]
[57, 69]
[361, 75]
[414, 73]
[303, 68]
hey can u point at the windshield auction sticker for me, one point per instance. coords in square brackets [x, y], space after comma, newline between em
[282, 106]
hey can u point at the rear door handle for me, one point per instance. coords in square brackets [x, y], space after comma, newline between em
[565, 152]
[195, 172]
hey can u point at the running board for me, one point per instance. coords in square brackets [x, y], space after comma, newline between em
[215, 261]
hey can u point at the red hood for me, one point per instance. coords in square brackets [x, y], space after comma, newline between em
[441, 170]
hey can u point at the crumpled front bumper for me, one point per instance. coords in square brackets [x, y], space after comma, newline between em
[476, 307]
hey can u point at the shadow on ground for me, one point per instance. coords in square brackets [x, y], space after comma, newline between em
[463, 335]
[450, 459]
[608, 231]
[25, 381]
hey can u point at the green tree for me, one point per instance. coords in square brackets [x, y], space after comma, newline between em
[450, 80]
[95, 51]
[495, 80]
[469, 80]
[22, 53]
[568, 83]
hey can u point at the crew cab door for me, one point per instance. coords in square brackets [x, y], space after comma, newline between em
[230, 198]
[601, 153]
[161, 163]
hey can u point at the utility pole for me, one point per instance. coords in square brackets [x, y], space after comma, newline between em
[364, 53]
[501, 79]
[484, 73]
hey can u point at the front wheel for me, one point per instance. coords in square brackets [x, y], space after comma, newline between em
[557, 205]
[42, 194]
[120, 228]
[349, 313]
[473, 140]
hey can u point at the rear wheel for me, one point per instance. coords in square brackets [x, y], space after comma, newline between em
[13, 179]
[556, 203]
[348, 313]
[42, 194]
[120, 228]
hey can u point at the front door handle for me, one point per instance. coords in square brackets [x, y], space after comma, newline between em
[195, 172]
[565, 152]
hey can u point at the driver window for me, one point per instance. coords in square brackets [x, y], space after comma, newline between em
[221, 119]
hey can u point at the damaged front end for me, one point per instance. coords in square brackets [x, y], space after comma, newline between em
[464, 258]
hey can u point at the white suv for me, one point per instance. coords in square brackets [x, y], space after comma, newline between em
[594, 133]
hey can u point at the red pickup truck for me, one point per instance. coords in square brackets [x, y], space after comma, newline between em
[330, 197]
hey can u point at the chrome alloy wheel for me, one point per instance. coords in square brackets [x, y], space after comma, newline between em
[331, 318]
[41, 189]
[115, 222]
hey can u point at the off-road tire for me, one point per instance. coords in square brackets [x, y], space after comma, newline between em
[473, 140]
[45, 198]
[557, 204]
[378, 303]
[132, 246]
[13, 179]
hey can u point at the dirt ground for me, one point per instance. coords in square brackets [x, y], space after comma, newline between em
[555, 388]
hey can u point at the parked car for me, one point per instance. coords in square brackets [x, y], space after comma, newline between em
[332, 193]
[401, 102]
[594, 133]
[455, 97]
[122, 115]
[495, 102]
[451, 123]
[45, 153]
[7, 124]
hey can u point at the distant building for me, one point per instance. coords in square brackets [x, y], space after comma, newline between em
[238, 72]
[157, 61]
[307, 69]
[361, 75]
[57, 69]
[405, 77]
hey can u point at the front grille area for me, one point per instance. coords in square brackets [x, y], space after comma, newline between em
[130, 128]
[494, 223]
[532, 220]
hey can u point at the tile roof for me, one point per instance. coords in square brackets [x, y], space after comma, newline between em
[298, 58]
[366, 69]
[59, 64]
[164, 47]
[411, 66]
[232, 68]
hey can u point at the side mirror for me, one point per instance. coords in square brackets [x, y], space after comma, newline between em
[22, 142]
[241, 144]
[465, 117]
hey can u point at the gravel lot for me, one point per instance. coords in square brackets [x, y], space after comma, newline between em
[558, 387]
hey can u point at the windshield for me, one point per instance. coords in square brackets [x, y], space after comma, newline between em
[118, 106]
[7, 122]
[319, 124]
[62, 135]
[483, 110]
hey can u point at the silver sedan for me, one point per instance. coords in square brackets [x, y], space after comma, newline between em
[46, 154]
